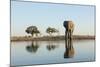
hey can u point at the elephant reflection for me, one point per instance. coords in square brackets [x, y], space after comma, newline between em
[33, 47]
[69, 49]
[51, 46]
[69, 28]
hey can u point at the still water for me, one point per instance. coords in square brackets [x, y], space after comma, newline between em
[47, 52]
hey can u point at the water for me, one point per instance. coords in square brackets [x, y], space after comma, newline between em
[47, 52]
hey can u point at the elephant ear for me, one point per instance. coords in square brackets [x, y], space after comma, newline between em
[71, 25]
[65, 24]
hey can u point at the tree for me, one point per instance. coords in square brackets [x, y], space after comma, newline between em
[32, 30]
[50, 30]
[37, 32]
[55, 30]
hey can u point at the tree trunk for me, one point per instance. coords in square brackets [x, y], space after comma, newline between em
[32, 35]
[50, 34]
[36, 34]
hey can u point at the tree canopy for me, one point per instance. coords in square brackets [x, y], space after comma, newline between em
[32, 30]
[50, 30]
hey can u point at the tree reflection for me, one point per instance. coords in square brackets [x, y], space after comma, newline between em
[69, 50]
[33, 47]
[51, 46]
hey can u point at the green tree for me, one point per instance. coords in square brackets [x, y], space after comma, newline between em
[50, 30]
[32, 30]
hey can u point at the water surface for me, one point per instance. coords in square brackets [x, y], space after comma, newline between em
[45, 52]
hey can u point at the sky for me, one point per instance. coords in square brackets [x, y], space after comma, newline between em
[44, 15]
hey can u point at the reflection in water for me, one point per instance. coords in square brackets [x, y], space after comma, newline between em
[51, 46]
[33, 47]
[44, 56]
[69, 50]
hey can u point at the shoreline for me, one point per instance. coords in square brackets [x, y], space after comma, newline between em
[51, 38]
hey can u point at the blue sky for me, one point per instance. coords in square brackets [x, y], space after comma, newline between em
[43, 15]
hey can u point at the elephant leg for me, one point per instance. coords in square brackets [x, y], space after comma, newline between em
[67, 35]
[70, 35]
[68, 43]
[70, 39]
[66, 39]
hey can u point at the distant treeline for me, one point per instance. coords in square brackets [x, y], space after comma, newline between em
[53, 38]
